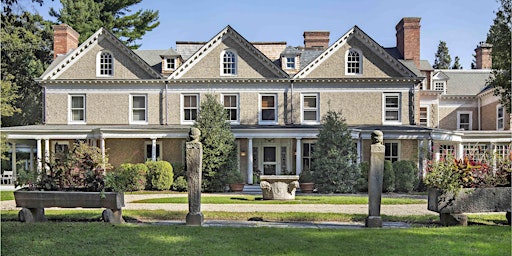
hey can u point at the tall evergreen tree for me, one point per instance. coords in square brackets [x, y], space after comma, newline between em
[219, 148]
[499, 36]
[87, 16]
[334, 159]
[456, 64]
[443, 59]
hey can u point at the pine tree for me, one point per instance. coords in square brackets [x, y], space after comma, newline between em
[219, 149]
[443, 59]
[499, 36]
[334, 168]
[87, 16]
[456, 64]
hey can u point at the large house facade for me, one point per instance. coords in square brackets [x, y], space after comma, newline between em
[139, 105]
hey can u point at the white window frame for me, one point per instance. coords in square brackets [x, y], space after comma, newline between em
[145, 121]
[99, 64]
[359, 62]
[385, 108]
[260, 110]
[310, 144]
[158, 150]
[459, 113]
[182, 108]
[235, 63]
[237, 107]
[169, 63]
[386, 156]
[290, 62]
[303, 109]
[500, 121]
[440, 86]
[70, 108]
[428, 116]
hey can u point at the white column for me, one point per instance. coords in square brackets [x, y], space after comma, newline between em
[39, 156]
[153, 149]
[47, 153]
[13, 161]
[31, 166]
[102, 148]
[298, 156]
[249, 162]
[460, 151]
[359, 149]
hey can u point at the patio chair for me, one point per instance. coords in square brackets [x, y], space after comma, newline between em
[7, 177]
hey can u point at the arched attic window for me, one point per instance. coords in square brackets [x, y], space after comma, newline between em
[353, 62]
[228, 63]
[105, 64]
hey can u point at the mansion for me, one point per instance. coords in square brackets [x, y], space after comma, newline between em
[138, 105]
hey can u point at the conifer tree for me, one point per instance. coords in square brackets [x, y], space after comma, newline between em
[219, 148]
[456, 64]
[443, 59]
[334, 159]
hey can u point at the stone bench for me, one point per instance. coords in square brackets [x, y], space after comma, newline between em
[34, 202]
[279, 187]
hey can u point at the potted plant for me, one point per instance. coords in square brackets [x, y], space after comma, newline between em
[235, 181]
[464, 185]
[306, 181]
[77, 179]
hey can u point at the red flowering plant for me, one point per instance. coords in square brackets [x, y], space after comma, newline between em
[451, 174]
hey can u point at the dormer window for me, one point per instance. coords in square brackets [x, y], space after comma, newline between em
[229, 63]
[169, 63]
[440, 86]
[353, 62]
[105, 64]
[290, 62]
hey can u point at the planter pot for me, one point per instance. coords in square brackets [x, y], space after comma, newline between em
[307, 187]
[34, 202]
[279, 187]
[236, 187]
[450, 206]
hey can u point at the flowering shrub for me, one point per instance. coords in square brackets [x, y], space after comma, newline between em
[452, 174]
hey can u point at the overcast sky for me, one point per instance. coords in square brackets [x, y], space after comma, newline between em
[461, 24]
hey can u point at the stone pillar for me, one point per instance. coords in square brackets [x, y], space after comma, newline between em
[194, 158]
[250, 163]
[298, 156]
[375, 180]
[39, 156]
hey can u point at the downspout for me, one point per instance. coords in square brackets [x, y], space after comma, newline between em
[166, 103]
[291, 101]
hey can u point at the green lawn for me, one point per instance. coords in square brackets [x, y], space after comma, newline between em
[6, 195]
[242, 199]
[77, 238]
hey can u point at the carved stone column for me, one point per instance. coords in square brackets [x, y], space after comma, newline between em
[194, 158]
[375, 180]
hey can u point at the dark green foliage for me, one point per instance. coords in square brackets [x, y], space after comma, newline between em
[443, 59]
[128, 177]
[179, 170]
[234, 177]
[219, 149]
[306, 176]
[456, 64]
[87, 16]
[180, 184]
[388, 179]
[362, 182]
[160, 175]
[334, 167]
[499, 36]
[406, 175]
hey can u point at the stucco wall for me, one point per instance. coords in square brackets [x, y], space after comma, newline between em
[448, 117]
[56, 108]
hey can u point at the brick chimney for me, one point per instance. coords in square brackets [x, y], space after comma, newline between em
[483, 56]
[316, 39]
[65, 39]
[408, 39]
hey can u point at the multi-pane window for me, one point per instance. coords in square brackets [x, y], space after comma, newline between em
[307, 151]
[139, 109]
[353, 62]
[231, 106]
[229, 63]
[391, 152]
[500, 118]
[464, 121]
[310, 108]
[268, 108]
[106, 64]
[149, 150]
[77, 108]
[392, 107]
[439, 86]
[446, 150]
[190, 107]
[169, 63]
[424, 116]
[290, 62]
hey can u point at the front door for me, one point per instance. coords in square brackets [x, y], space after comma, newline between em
[269, 160]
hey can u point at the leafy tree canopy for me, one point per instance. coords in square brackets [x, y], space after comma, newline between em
[443, 59]
[499, 36]
[87, 16]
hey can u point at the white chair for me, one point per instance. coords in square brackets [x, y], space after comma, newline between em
[7, 177]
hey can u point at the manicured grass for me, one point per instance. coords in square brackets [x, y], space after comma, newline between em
[6, 195]
[66, 238]
[243, 199]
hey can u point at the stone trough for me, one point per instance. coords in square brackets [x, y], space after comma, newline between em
[279, 187]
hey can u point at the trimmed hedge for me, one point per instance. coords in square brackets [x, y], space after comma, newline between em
[132, 176]
[388, 181]
[406, 175]
[160, 175]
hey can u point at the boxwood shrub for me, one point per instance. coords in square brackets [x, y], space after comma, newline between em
[406, 175]
[160, 175]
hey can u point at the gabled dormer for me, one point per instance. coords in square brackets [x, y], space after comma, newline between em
[290, 60]
[439, 82]
[171, 60]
